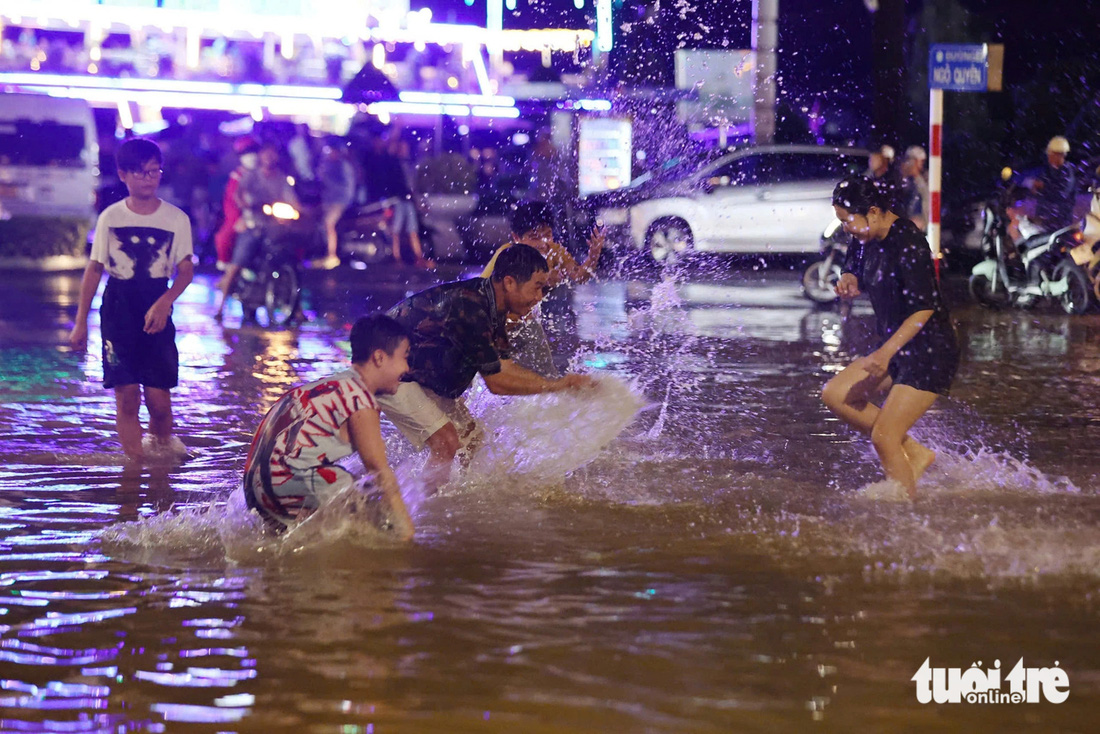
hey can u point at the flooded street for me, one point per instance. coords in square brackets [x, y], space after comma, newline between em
[715, 568]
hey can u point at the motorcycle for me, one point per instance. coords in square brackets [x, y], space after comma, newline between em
[1090, 234]
[271, 281]
[820, 277]
[1042, 266]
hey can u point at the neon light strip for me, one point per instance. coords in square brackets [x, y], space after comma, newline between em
[510, 112]
[252, 94]
[336, 23]
[95, 82]
[438, 99]
[124, 115]
[241, 103]
[480, 70]
[412, 108]
[168, 85]
[593, 104]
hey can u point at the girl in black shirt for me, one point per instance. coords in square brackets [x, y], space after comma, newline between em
[918, 352]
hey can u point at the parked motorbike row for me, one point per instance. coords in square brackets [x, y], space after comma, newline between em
[1038, 266]
[1061, 267]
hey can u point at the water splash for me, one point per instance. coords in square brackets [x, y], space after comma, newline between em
[545, 438]
[226, 529]
[539, 439]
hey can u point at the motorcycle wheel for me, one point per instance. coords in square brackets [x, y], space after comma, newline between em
[1078, 294]
[981, 290]
[281, 294]
[819, 283]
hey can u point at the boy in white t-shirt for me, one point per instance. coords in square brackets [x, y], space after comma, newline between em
[292, 466]
[139, 241]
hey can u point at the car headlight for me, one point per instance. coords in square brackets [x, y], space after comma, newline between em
[613, 217]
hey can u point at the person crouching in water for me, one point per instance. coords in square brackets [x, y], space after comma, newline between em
[532, 224]
[291, 468]
[918, 353]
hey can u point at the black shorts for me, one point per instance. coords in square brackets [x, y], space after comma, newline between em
[931, 370]
[130, 356]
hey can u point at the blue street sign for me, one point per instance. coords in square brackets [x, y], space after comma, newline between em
[961, 68]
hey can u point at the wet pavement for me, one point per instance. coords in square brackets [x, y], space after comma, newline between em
[717, 567]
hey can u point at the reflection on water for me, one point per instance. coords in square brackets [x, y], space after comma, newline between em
[714, 568]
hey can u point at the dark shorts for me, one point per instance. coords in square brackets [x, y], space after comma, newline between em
[130, 356]
[404, 217]
[931, 370]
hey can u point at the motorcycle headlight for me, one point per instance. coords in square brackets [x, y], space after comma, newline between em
[281, 210]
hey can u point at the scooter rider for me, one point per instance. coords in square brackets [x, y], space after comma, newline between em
[264, 185]
[1056, 188]
[247, 149]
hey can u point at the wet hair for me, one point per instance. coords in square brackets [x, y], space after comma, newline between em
[858, 194]
[135, 153]
[377, 331]
[520, 262]
[531, 215]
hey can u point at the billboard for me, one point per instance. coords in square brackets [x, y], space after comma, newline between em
[604, 151]
[724, 81]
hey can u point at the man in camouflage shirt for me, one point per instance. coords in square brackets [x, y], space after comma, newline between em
[457, 331]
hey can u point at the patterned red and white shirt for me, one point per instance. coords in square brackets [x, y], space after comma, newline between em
[301, 432]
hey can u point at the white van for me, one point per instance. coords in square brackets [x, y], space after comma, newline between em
[49, 156]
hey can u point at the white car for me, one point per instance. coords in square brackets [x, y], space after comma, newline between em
[766, 199]
[49, 156]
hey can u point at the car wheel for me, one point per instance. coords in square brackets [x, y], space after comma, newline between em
[668, 240]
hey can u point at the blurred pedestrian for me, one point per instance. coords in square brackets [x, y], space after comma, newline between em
[388, 181]
[337, 178]
[1056, 188]
[247, 149]
[915, 196]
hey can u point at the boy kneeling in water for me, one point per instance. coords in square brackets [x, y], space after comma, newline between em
[291, 468]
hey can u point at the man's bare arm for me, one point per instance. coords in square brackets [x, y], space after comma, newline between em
[516, 380]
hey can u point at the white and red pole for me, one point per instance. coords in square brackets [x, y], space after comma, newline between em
[935, 172]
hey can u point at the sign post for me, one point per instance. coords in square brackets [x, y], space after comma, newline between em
[959, 68]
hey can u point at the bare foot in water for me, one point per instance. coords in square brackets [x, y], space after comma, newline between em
[920, 458]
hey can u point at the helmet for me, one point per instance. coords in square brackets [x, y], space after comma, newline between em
[246, 144]
[916, 153]
[1058, 144]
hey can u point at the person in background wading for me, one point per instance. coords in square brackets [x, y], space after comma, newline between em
[532, 224]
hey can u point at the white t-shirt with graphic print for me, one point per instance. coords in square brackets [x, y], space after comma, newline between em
[132, 245]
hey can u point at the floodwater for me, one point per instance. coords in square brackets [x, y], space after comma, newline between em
[717, 567]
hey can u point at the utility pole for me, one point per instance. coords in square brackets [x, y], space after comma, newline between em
[765, 40]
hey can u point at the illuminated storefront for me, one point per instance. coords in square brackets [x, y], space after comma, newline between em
[259, 57]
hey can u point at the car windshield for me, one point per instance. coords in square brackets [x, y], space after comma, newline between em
[670, 169]
[30, 143]
[779, 167]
